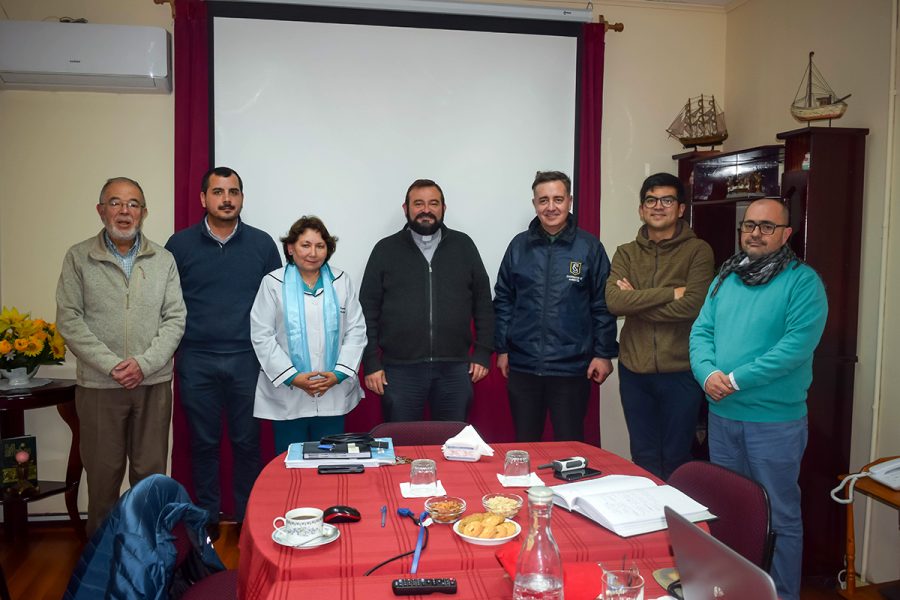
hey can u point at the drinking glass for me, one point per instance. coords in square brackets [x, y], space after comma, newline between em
[422, 475]
[622, 585]
[517, 467]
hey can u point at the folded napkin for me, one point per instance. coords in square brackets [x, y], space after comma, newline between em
[466, 445]
[436, 490]
[533, 479]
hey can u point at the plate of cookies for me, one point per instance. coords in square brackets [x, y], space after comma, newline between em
[486, 529]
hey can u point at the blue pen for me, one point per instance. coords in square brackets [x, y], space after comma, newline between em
[383, 514]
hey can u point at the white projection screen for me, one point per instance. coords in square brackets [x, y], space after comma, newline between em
[336, 119]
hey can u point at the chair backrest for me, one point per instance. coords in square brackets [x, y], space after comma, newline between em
[741, 504]
[418, 433]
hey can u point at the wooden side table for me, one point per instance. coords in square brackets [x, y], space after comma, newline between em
[885, 495]
[13, 404]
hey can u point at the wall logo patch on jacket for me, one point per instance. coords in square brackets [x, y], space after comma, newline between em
[574, 271]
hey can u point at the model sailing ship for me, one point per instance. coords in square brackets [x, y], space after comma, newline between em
[815, 100]
[700, 123]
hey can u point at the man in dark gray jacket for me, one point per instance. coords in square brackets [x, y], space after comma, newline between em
[422, 289]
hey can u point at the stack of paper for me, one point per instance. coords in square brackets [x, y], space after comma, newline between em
[380, 456]
[627, 505]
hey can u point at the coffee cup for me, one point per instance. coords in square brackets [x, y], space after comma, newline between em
[300, 524]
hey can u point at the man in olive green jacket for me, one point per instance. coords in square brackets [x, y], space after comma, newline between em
[658, 283]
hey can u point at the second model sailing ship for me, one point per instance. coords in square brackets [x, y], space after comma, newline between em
[700, 123]
[815, 100]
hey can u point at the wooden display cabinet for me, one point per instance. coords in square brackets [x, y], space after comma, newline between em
[825, 195]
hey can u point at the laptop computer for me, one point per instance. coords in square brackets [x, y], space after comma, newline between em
[711, 570]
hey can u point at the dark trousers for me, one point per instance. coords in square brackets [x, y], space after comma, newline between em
[445, 386]
[565, 397]
[210, 384]
[661, 411]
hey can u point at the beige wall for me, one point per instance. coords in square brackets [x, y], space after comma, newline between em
[665, 55]
[58, 148]
[767, 46]
[884, 546]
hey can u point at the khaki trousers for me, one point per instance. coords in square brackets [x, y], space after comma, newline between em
[119, 425]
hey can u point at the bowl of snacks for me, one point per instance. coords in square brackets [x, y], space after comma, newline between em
[503, 504]
[486, 529]
[445, 509]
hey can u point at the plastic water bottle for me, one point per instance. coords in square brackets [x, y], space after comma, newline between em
[539, 574]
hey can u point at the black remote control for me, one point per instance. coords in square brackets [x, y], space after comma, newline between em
[419, 586]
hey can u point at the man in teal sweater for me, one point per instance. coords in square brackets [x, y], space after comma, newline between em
[752, 350]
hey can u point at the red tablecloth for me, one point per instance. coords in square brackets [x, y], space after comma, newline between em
[265, 565]
[582, 582]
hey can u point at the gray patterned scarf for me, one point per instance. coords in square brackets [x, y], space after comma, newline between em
[759, 271]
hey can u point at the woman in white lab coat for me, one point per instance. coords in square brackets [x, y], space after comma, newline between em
[308, 331]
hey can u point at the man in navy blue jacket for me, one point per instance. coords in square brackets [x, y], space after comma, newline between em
[221, 261]
[553, 332]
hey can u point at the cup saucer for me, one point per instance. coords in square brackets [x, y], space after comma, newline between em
[329, 534]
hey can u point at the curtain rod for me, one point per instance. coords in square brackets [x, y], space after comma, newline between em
[450, 7]
[617, 27]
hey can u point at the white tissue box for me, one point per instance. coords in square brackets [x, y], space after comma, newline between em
[462, 454]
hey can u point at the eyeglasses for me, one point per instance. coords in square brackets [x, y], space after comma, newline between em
[651, 201]
[116, 203]
[765, 227]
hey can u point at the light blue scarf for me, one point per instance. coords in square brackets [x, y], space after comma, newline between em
[295, 318]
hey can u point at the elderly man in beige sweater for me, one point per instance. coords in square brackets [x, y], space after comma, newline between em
[119, 306]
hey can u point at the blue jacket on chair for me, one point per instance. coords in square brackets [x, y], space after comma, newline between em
[133, 555]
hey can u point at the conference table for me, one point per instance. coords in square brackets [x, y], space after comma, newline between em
[270, 571]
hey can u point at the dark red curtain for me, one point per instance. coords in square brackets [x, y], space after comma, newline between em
[191, 160]
[590, 109]
[191, 109]
[490, 411]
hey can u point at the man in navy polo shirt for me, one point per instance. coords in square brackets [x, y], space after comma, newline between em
[221, 261]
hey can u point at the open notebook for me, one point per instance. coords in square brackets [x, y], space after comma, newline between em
[626, 504]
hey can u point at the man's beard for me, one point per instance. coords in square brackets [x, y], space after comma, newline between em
[117, 235]
[423, 229]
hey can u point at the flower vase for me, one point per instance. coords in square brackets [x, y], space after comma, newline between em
[18, 377]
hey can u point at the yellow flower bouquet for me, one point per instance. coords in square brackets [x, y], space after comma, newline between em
[27, 342]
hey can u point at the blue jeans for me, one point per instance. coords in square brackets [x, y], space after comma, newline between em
[210, 384]
[661, 411]
[445, 386]
[305, 429]
[770, 453]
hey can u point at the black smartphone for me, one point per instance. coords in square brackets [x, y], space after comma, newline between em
[340, 469]
[576, 475]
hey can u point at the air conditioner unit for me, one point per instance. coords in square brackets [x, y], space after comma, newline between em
[47, 55]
